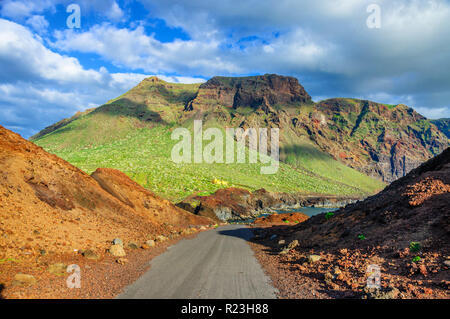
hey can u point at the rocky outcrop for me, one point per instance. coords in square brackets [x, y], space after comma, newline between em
[253, 91]
[240, 204]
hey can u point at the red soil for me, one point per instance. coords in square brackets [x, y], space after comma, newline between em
[275, 219]
[405, 230]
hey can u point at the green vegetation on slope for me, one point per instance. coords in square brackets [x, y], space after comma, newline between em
[132, 134]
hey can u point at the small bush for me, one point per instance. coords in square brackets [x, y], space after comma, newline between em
[361, 237]
[329, 215]
[414, 246]
[416, 259]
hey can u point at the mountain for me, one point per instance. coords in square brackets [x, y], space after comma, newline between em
[46, 204]
[328, 147]
[402, 233]
[443, 125]
[132, 133]
[383, 141]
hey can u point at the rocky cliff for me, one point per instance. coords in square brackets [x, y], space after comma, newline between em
[443, 125]
[252, 91]
[377, 139]
[240, 204]
[380, 140]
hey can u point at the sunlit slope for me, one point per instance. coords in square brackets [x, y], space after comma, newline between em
[133, 134]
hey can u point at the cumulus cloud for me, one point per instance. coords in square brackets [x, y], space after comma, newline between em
[39, 87]
[38, 23]
[326, 44]
[21, 9]
[133, 48]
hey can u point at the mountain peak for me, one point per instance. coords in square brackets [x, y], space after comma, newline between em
[251, 91]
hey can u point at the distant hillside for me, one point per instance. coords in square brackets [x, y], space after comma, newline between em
[132, 133]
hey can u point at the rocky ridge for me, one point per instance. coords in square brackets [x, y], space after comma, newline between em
[240, 204]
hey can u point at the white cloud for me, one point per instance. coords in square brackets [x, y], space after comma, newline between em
[326, 44]
[433, 113]
[39, 87]
[133, 48]
[38, 23]
[21, 9]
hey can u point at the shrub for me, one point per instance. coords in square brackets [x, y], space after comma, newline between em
[329, 215]
[416, 259]
[414, 246]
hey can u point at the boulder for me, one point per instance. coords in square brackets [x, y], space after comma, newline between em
[122, 261]
[293, 244]
[117, 251]
[133, 246]
[150, 243]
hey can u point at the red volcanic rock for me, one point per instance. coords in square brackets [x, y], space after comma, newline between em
[414, 208]
[424, 190]
[46, 204]
[281, 219]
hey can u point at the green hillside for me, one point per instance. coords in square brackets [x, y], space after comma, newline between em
[132, 133]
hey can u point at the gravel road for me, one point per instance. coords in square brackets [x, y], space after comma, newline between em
[216, 264]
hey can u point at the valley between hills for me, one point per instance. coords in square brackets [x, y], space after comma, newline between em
[100, 190]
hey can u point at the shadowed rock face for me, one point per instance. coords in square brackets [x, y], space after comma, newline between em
[384, 141]
[443, 125]
[252, 91]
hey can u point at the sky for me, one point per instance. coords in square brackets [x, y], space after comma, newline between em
[382, 50]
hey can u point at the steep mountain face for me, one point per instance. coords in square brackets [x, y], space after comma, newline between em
[252, 91]
[443, 125]
[48, 204]
[379, 140]
[336, 142]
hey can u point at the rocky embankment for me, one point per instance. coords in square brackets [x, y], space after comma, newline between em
[404, 231]
[240, 204]
[52, 214]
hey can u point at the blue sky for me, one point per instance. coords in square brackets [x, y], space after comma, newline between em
[49, 71]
